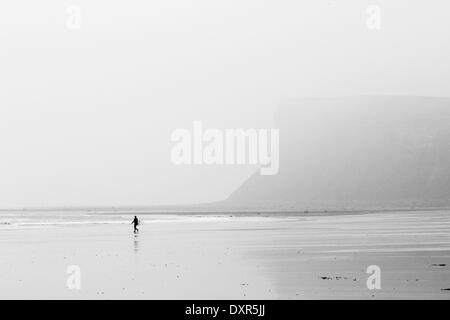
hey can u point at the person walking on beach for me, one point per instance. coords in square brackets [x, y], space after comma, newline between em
[136, 223]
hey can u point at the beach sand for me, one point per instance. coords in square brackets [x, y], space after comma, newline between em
[229, 257]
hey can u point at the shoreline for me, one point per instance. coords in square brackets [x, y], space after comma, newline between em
[227, 212]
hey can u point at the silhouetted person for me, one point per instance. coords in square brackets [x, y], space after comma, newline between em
[136, 223]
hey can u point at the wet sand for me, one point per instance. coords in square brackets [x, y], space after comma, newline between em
[223, 257]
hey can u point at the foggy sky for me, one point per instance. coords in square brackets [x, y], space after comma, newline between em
[86, 115]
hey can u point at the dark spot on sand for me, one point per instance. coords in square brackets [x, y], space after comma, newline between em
[326, 278]
[446, 289]
[439, 264]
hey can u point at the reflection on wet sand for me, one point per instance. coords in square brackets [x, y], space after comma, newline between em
[136, 243]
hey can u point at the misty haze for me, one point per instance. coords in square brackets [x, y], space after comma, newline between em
[335, 183]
